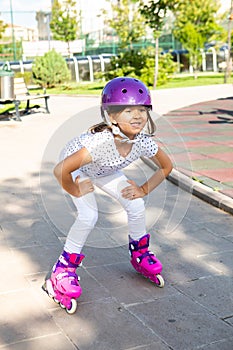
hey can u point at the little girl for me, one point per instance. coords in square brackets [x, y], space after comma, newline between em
[98, 155]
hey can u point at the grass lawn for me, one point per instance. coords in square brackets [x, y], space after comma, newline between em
[85, 88]
[187, 81]
[178, 81]
[82, 88]
[6, 108]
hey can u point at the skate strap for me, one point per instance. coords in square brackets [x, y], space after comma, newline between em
[143, 242]
[138, 245]
[70, 260]
[76, 259]
[150, 255]
[72, 275]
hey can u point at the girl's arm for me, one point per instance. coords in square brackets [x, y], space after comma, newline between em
[164, 164]
[63, 170]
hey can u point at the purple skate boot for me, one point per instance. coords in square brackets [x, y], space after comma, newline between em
[144, 261]
[63, 285]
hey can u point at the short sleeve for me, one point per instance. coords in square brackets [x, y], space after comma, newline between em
[98, 145]
[149, 147]
[70, 148]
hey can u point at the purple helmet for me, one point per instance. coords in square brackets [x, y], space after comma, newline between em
[125, 91]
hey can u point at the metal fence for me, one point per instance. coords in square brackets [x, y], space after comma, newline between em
[82, 68]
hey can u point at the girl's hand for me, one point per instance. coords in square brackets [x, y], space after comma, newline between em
[133, 191]
[84, 186]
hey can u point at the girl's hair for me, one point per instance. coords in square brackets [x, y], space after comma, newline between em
[104, 126]
[99, 127]
[151, 127]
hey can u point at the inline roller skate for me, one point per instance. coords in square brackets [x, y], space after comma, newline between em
[144, 261]
[63, 285]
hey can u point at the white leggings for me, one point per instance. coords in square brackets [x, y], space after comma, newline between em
[88, 212]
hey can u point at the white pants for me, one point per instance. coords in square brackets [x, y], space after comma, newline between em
[88, 211]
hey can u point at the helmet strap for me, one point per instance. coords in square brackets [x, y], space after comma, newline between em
[119, 135]
[116, 130]
[106, 118]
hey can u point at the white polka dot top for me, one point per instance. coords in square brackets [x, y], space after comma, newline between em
[105, 156]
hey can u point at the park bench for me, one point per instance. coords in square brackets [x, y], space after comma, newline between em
[22, 94]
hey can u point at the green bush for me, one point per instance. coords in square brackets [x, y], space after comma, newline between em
[50, 70]
[167, 68]
[26, 75]
[140, 64]
[127, 63]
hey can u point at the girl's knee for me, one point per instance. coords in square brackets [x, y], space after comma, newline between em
[89, 219]
[136, 207]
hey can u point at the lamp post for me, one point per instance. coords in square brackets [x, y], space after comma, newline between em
[229, 63]
[12, 31]
[48, 19]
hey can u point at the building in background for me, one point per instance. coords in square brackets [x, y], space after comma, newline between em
[21, 33]
[95, 38]
[88, 15]
[43, 25]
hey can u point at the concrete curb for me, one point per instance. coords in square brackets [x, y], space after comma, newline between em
[199, 190]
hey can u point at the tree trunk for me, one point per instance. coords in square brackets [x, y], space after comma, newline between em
[228, 63]
[69, 54]
[195, 66]
[156, 61]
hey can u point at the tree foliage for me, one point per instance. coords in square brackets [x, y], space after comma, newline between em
[2, 28]
[127, 22]
[50, 69]
[64, 25]
[195, 24]
[127, 63]
[167, 67]
[155, 12]
[140, 64]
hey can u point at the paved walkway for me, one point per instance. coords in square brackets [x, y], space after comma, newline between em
[199, 139]
[205, 133]
[118, 310]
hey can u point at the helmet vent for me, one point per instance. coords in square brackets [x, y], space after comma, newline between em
[124, 91]
[140, 91]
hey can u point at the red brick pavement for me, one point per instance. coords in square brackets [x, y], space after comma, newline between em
[199, 139]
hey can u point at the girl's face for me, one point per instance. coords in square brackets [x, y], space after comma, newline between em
[131, 120]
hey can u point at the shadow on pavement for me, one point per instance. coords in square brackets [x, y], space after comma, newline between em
[115, 308]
